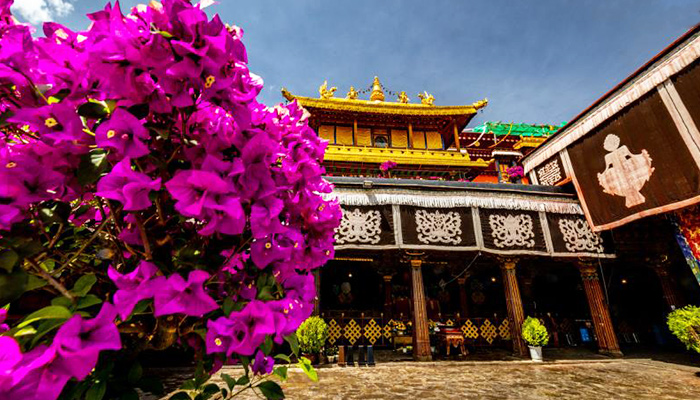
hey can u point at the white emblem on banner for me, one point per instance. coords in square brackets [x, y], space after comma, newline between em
[625, 173]
[512, 230]
[549, 174]
[357, 226]
[578, 236]
[437, 227]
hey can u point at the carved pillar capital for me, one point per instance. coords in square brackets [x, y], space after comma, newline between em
[508, 264]
[588, 269]
[416, 263]
[387, 278]
[462, 280]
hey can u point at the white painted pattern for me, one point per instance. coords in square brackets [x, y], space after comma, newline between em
[359, 227]
[512, 230]
[438, 227]
[578, 236]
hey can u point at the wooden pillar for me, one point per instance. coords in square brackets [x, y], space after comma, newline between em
[411, 139]
[421, 339]
[668, 286]
[317, 299]
[514, 304]
[463, 300]
[456, 133]
[387, 296]
[607, 341]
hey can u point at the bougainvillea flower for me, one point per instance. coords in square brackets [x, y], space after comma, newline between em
[3, 326]
[249, 327]
[174, 295]
[268, 250]
[225, 216]
[36, 377]
[80, 341]
[133, 287]
[194, 190]
[262, 365]
[124, 133]
[60, 122]
[127, 186]
[264, 217]
[10, 354]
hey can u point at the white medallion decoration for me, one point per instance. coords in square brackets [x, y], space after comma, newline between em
[549, 174]
[359, 227]
[438, 227]
[625, 173]
[512, 230]
[578, 236]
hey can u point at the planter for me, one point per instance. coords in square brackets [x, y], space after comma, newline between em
[314, 358]
[536, 353]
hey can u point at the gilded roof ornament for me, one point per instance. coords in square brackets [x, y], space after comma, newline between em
[352, 94]
[377, 92]
[403, 98]
[325, 92]
[426, 99]
[480, 103]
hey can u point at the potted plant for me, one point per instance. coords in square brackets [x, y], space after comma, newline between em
[331, 354]
[536, 336]
[312, 335]
[684, 323]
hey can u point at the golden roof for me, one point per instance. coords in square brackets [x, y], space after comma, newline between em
[377, 104]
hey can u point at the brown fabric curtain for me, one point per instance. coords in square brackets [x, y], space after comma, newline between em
[411, 217]
[687, 85]
[506, 230]
[644, 127]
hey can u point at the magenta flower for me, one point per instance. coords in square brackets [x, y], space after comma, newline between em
[3, 326]
[174, 295]
[262, 365]
[196, 190]
[242, 332]
[264, 217]
[133, 287]
[36, 377]
[123, 133]
[387, 165]
[127, 186]
[10, 354]
[80, 341]
[269, 249]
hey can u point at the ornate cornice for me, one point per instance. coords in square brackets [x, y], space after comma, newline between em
[402, 156]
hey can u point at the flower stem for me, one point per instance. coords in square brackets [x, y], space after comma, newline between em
[50, 279]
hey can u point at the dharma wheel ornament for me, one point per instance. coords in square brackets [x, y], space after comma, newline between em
[625, 173]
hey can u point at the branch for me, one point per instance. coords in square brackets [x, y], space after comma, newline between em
[50, 279]
[144, 238]
[92, 238]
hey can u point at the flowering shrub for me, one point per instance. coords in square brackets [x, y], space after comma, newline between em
[684, 323]
[387, 166]
[534, 333]
[516, 172]
[152, 201]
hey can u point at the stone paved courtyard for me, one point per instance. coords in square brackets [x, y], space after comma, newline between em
[589, 379]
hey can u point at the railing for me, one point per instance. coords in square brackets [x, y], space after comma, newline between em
[347, 328]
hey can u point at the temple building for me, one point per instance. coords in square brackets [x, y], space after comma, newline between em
[442, 241]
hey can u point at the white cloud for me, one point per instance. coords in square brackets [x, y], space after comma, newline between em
[38, 11]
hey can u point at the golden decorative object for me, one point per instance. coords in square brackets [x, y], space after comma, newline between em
[377, 92]
[287, 95]
[402, 156]
[488, 331]
[334, 331]
[372, 331]
[426, 99]
[481, 103]
[388, 328]
[352, 94]
[325, 92]
[450, 323]
[403, 98]
[504, 330]
[352, 331]
[470, 330]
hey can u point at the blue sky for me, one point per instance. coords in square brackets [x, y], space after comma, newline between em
[537, 61]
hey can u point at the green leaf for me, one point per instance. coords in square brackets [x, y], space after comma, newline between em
[244, 380]
[88, 301]
[230, 381]
[209, 390]
[92, 166]
[55, 211]
[27, 330]
[97, 391]
[34, 282]
[50, 312]
[180, 396]
[83, 285]
[271, 390]
[188, 385]
[93, 110]
[281, 372]
[283, 357]
[45, 327]
[165, 34]
[228, 306]
[61, 301]
[293, 343]
[12, 285]
[8, 260]
[135, 373]
[305, 365]
[267, 345]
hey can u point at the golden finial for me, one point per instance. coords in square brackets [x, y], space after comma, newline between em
[377, 92]
[403, 98]
[481, 103]
[325, 92]
[426, 98]
[352, 94]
